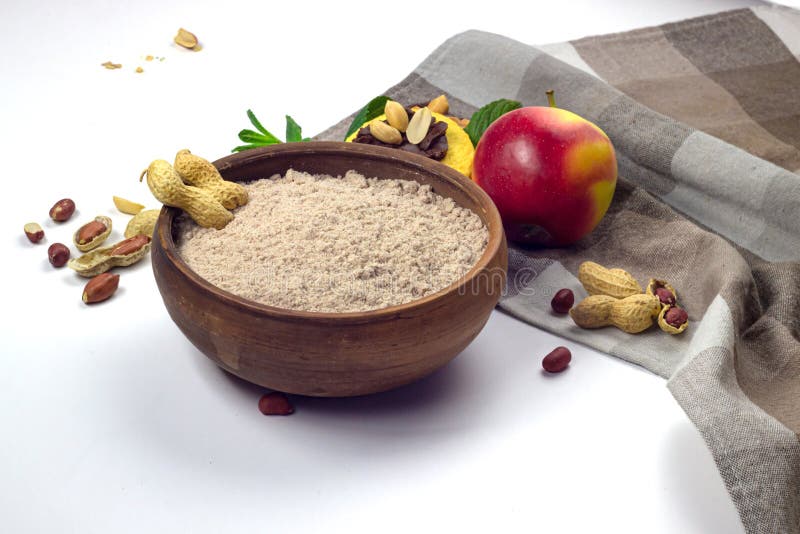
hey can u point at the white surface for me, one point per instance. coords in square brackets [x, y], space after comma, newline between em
[113, 422]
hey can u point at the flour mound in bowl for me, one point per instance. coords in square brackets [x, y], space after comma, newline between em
[336, 244]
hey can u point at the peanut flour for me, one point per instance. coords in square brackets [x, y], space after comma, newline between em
[319, 243]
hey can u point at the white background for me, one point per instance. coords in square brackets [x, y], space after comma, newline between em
[113, 422]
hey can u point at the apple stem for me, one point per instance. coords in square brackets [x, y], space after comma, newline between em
[551, 98]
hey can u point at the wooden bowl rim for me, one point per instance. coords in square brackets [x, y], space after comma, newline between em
[419, 163]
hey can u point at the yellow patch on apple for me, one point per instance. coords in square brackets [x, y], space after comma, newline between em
[602, 193]
[582, 160]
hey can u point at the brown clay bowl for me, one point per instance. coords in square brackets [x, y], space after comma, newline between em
[334, 354]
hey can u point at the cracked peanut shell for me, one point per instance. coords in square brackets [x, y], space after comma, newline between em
[97, 240]
[668, 328]
[655, 284]
[101, 260]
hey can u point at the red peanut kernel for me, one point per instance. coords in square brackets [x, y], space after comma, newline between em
[665, 296]
[557, 360]
[676, 316]
[275, 403]
[562, 301]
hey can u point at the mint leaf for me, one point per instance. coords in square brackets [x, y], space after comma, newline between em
[485, 116]
[242, 148]
[249, 136]
[374, 108]
[294, 134]
[262, 137]
[254, 121]
[255, 139]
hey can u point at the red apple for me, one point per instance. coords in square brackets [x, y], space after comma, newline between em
[550, 172]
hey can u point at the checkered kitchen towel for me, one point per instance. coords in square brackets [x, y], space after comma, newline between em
[705, 117]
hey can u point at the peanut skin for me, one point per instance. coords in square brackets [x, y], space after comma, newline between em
[201, 173]
[130, 245]
[202, 206]
[100, 288]
[62, 210]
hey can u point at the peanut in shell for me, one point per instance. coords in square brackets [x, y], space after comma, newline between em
[102, 259]
[632, 314]
[656, 284]
[635, 313]
[201, 173]
[200, 204]
[143, 222]
[593, 311]
[666, 326]
[101, 222]
[597, 280]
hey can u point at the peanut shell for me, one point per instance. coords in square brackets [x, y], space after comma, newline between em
[101, 260]
[201, 205]
[593, 311]
[143, 222]
[655, 283]
[597, 280]
[127, 206]
[635, 313]
[201, 173]
[186, 39]
[98, 240]
[668, 328]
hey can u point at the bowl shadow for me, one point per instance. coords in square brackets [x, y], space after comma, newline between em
[444, 386]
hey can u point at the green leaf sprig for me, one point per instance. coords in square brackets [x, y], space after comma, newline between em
[485, 116]
[374, 108]
[262, 137]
